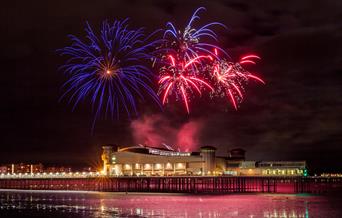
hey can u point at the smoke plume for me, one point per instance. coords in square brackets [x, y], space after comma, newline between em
[154, 130]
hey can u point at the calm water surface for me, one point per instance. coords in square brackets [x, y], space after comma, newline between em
[97, 204]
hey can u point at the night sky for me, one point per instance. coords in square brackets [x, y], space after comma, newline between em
[297, 115]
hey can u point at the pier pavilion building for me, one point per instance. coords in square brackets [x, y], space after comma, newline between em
[152, 161]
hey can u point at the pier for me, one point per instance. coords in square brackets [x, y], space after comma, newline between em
[181, 184]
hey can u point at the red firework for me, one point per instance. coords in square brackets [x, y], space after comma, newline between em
[231, 77]
[180, 78]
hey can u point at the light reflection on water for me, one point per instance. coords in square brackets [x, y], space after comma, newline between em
[66, 204]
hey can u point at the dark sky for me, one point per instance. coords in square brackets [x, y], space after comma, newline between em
[296, 116]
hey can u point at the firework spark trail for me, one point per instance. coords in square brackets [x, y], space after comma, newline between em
[108, 69]
[232, 77]
[246, 59]
[185, 99]
[197, 60]
[179, 78]
[188, 42]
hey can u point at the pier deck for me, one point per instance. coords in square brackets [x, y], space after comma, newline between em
[181, 184]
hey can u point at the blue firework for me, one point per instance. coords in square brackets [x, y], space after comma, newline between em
[188, 43]
[109, 69]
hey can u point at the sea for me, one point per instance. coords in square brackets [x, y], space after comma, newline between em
[19, 203]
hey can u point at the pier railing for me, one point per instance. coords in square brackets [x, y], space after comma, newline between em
[180, 184]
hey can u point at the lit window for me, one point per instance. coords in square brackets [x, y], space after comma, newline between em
[147, 167]
[127, 167]
[168, 166]
[158, 166]
[180, 166]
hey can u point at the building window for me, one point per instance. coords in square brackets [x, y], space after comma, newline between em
[147, 167]
[168, 166]
[127, 167]
[158, 166]
[180, 166]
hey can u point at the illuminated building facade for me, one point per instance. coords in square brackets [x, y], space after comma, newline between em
[266, 168]
[21, 168]
[142, 160]
[237, 166]
[25, 168]
[59, 169]
[151, 161]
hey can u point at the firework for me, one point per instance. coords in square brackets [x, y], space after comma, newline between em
[184, 57]
[108, 69]
[230, 78]
[178, 77]
[188, 43]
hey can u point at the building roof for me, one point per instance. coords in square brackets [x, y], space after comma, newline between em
[154, 151]
[237, 150]
[208, 147]
[142, 148]
[135, 149]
